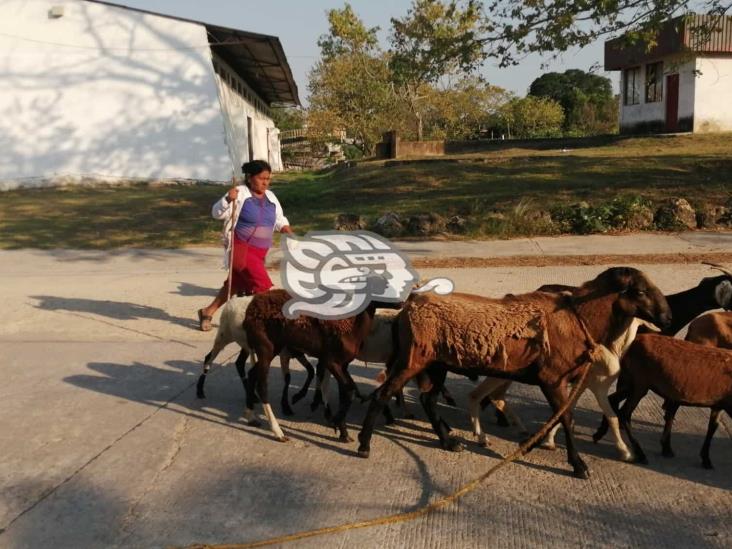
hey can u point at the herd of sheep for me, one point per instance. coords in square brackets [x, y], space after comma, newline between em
[617, 329]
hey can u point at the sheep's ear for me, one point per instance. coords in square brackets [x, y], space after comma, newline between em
[723, 294]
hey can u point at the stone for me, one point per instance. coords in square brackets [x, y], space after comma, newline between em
[350, 222]
[426, 224]
[389, 225]
[640, 218]
[457, 224]
[711, 217]
[676, 213]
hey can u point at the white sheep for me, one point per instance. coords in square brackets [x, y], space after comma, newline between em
[231, 330]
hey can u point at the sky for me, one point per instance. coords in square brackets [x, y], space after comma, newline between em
[299, 23]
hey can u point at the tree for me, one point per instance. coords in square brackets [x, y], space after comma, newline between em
[587, 100]
[459, 112]
[350, 87]
[531, 117]
[519, 27]
[433, 41]
[351, 93]
[288, 118]
[346, 35]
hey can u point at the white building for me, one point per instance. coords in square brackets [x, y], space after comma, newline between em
[683, 84]
[90, 89]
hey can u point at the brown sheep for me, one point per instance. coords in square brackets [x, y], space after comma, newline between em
[537, 338]
[684, 374]
[712, 330]
[334, 342]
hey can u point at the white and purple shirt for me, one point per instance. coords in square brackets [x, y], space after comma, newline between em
[256, 222]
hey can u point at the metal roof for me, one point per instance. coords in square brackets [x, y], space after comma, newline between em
[258, 58]
[675, 36]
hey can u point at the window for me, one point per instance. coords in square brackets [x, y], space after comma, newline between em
[654, 82]
[631, 89]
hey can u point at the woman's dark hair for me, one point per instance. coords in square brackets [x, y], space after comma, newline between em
[255, 167]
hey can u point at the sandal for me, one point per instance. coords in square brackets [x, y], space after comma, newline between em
[204, 321]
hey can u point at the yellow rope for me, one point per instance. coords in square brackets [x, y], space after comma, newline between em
[437, 504]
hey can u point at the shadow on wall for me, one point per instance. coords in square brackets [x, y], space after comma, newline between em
[139, 102]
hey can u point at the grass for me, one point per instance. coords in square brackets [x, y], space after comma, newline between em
[511, 181]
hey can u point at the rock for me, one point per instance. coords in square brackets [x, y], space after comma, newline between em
[641, 217]
[457, 224]
[677, 213]
[710, 217]
[426, 224]
[538, 217]
[389, 225]
[349, 222]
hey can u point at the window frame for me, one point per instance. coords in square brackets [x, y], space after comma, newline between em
[654, 87]
[632, 94]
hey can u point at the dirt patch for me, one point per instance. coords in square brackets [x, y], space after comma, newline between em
[569, 260]
[722, 258]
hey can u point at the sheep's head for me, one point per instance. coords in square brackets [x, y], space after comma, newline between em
[722, 286]
[637, 296]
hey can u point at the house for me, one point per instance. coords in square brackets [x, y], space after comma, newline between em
[91, 89]
[681, 84]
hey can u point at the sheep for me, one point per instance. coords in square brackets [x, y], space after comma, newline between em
[711, 293]
[603, 373]
[684, 374]
[538, 338]
[711, 330]
[378, 347]
[231, 329]
[334, 342]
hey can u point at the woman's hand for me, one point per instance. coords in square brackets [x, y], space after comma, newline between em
[232, 194]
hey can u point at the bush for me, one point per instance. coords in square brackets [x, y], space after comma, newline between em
[623, 212]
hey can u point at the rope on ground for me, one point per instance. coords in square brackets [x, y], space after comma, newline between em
[522, 450]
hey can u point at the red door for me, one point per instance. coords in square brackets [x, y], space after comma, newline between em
[672, 103]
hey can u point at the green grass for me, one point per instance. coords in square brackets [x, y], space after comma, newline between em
[698, 168]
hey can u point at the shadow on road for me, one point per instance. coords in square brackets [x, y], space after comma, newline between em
[119, 310]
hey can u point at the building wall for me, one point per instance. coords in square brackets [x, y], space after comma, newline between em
[106, 92]
[712, 109]
[238, 104]
[651, 117]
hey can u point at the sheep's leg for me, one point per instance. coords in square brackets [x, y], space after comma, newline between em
[285, 367]
[219, 344]
[449, 400]
[625, 415]
[251, 397]
[402, 403]
[600, 390]
[713, 424]
[429, 403]
[262, 369]
[320, 373]
[615, 399]
[326, 395]
[475, 399]
[241, 369]
[310, 372]
[670, 409]
[557, 397]
[381, 397]
[503, 410]
[346, 392]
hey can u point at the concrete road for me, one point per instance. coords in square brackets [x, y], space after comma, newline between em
[103, 443]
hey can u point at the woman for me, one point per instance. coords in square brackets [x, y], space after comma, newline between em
[258, 214]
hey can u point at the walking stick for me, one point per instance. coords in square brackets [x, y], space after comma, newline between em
[231, 240]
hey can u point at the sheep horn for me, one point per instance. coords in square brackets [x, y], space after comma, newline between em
[725, 270]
